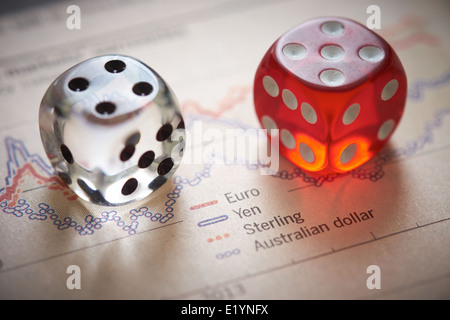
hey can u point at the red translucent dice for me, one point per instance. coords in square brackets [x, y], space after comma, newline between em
[335, 91]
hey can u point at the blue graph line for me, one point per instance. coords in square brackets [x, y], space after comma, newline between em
[18, 154]
[416, 91]
[16, 151]
[375, 172]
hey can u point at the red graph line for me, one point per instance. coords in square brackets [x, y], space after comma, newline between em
[13, 191]
[238, 94]
[415, 38]
[403, 25]
[234, 96]
[414, 26]
[206, 204]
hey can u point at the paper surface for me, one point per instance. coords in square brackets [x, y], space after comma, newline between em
[216, 241]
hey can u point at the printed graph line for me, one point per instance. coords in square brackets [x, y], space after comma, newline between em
[417, 89]
[404, 24]
[20, 207]
[21, 164]
[301, 261]
[415, 39]
[211, 221]
[235, 96]
[299, 188]
[45, 212]
[13, 268]
[411, 28]
[373, 170]
[32, 189]
[218, 237]
[202, 205]
[11, 204]
[415, 156]
[416, 92]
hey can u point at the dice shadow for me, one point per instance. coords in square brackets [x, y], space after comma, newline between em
[152, 250]
[377, 185]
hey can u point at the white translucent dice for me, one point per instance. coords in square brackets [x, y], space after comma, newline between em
[112, 129]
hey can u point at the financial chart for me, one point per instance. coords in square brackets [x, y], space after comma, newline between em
[225, 228]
